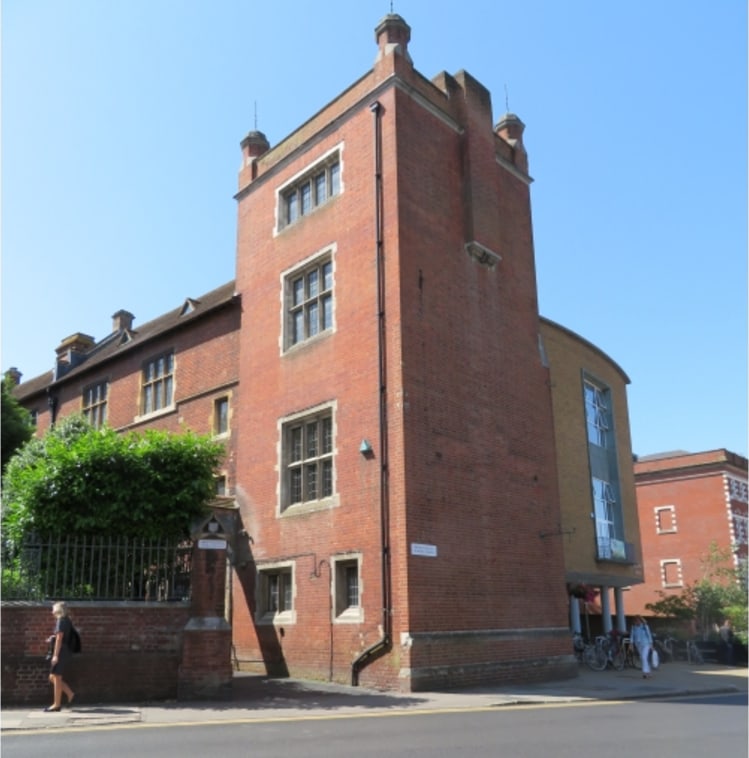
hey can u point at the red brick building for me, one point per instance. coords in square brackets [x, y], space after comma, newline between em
[392, 453]
[150, 376]
[686, 502]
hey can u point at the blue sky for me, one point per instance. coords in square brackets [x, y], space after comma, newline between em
[121, 124]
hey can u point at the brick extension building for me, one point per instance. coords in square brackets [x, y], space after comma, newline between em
[687, 501]
[414, 455]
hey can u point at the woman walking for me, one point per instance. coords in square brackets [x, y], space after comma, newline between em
[642, 639]
[61, 655]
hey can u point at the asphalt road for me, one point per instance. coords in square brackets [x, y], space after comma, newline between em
[685, 728]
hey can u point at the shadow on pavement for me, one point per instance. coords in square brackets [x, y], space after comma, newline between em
[258, 692]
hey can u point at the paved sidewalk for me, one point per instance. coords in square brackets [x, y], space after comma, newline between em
[257, 698]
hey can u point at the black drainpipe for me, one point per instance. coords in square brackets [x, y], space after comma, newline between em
[384, 644]
[52, 403]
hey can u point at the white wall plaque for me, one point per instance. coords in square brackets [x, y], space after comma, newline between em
[428, 551]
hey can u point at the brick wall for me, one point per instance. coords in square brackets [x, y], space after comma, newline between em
[701, 512]
[206, 361]
[196, 377]
[131, 651]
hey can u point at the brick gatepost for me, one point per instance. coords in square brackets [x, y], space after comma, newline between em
[205, 670]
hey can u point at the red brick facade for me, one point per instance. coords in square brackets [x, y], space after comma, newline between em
[443, 376]
[204, 341]
[686, 502]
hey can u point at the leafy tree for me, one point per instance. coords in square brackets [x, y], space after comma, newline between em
[92, 482]
[15, 423]
[679, 607]
[719, 594]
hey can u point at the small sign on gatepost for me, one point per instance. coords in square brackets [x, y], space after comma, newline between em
[211, 534]
[212, 544]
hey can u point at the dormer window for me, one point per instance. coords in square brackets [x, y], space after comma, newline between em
[189, 306]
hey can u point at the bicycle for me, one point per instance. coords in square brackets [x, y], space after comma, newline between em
[693, 653]
[631, 654]
[666, 648]
[604, 652]
[578, 646]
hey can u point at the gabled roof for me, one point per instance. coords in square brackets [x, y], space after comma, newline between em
[117, 343]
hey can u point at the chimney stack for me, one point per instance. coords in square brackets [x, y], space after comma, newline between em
[122, 321]
[71, 352]
[13, 376]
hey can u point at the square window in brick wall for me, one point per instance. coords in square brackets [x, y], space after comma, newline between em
[95, 404]
[309, 191]
[308, 298]
[275, 594]
[221, 416]
[347, 589]
[307, 449]
[158, 383]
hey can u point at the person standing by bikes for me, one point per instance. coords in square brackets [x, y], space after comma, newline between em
[642, 639]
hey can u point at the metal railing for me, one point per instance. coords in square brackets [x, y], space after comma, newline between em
[96, 568]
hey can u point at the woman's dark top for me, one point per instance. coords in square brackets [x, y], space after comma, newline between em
[64, 625]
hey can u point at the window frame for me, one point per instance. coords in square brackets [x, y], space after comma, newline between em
[598, 413]
[320, 302]
[344, 612]
[660, 511]
[297, 459]
[283, 575]
[165, 380]
[95, 409]
[301, 196]
[676, 562]
[605, 507]
[221, 429]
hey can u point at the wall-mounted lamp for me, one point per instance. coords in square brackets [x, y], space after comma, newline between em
[366, 447]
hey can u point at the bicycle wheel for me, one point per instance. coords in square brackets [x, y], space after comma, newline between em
[695, 656]
[618, 659]
[595, 657]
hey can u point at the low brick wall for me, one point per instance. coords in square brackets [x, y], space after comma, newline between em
[131, 651]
